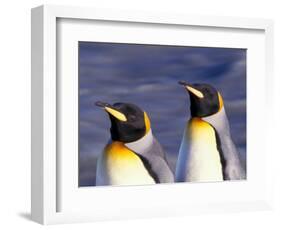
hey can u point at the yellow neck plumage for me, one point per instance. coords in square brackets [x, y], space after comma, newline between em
[220, 101]
[147, 123]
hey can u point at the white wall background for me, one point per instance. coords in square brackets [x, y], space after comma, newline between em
[15, 113]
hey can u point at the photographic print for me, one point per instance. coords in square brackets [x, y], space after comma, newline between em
[152, 114]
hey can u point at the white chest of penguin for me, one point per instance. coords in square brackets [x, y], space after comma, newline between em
[120, 166]
[204, 163]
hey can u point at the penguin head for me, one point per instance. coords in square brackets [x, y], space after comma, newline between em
[205, 100]
[128, 122]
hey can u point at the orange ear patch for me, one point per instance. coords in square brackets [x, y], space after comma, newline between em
[147, 123]
[220, 101]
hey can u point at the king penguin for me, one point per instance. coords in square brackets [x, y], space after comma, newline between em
[133, 156]
[207, 151]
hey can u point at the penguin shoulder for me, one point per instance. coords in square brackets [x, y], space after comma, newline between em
[197, 122]
[117, 151]
[200, 129]
[143, 144]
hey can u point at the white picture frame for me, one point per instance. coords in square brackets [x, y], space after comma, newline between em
[47, 176]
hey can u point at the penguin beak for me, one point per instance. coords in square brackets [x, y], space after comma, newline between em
[190, 88]
[111, 110]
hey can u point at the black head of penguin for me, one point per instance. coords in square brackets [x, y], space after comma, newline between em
[128, 122]
[205, 100]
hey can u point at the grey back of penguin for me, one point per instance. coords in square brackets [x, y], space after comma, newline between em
[154, 154]
[233, 169]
